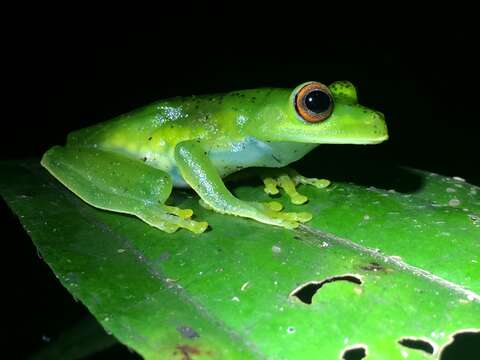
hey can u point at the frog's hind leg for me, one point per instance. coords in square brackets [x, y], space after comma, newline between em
[113, 182]
[288, 179]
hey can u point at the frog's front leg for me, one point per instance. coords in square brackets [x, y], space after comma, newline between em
[288, 179]
[113, 182]
[199, 172]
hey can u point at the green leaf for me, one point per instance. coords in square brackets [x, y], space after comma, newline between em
[373, 267]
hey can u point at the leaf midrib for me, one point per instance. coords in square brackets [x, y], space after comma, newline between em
[392, 260]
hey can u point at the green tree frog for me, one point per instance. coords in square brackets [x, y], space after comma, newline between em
[130, 164]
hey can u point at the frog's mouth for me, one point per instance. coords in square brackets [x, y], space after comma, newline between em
[356, 140]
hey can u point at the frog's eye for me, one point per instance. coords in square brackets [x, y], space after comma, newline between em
[314, 102]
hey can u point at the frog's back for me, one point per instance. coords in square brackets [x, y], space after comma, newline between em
[151, 133]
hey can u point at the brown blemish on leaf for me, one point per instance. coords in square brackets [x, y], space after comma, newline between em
[373, 266]
[187, 351]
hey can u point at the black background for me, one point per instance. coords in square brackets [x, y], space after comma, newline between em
[423, 78]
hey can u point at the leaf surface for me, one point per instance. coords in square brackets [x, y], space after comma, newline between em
[373, 267]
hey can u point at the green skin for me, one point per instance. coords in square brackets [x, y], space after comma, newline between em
[129, 164]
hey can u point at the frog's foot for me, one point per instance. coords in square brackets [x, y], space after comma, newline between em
[288, 179]
[171, 218]
[266, 212]
[271, 213]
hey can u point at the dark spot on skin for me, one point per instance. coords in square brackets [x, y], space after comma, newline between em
[171, 126]
[373, 266]
[205, 153]
[150, 138]
[275, 158]
[145, 158]
[187, 332]
[187, 351]
[196, 106]
[297, 237]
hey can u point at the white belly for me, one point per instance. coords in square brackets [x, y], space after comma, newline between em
[252, 152]
[249, 153]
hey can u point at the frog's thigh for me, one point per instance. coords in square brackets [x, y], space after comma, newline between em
[113, 182]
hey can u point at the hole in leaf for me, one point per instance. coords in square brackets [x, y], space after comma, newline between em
[355, 353]
[465, 345]
[305, 292]
[417, 344]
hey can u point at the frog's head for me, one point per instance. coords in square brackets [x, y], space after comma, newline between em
[315, 113]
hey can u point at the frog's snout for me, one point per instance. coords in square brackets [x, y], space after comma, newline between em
[382, 125]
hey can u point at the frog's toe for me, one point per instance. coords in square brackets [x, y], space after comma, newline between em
[173, 224]
[272, 210]
[273, 205]
[290, 224]
[197, 227]
[297, 216]
[270, 186]
[318, 183]
[167, 227]
[176, 222]
[297, 198]
[183, 213]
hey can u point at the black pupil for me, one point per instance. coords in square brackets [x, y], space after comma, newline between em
[317, 101]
